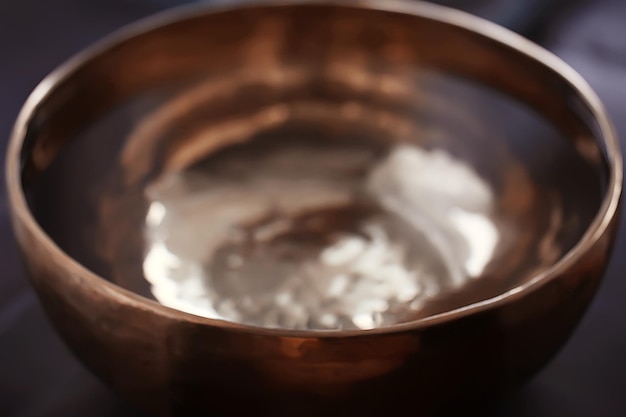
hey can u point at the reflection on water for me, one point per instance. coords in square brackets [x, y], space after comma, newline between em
[318, 238]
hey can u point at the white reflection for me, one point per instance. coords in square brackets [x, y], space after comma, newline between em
[444, 198]
[481, 236]
[156, 214]
[217, 246]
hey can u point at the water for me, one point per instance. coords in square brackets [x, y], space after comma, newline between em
[328, 214]
[317, 237]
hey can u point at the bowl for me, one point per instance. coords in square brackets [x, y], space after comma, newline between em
[314, 207]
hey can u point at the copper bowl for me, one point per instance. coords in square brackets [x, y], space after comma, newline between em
[457, 113]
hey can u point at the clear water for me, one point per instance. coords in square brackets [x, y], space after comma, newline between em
[317, 237]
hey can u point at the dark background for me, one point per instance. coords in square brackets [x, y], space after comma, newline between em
[39, 377]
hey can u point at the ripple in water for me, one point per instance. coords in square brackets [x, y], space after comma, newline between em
[347, 243]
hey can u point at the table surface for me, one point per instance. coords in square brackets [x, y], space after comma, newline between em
[39, 377]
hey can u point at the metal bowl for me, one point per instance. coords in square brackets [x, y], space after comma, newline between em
[316, 208]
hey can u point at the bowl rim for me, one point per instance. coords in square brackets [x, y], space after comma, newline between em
[607, 212]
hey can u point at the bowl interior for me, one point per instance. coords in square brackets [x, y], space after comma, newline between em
[315, 167]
